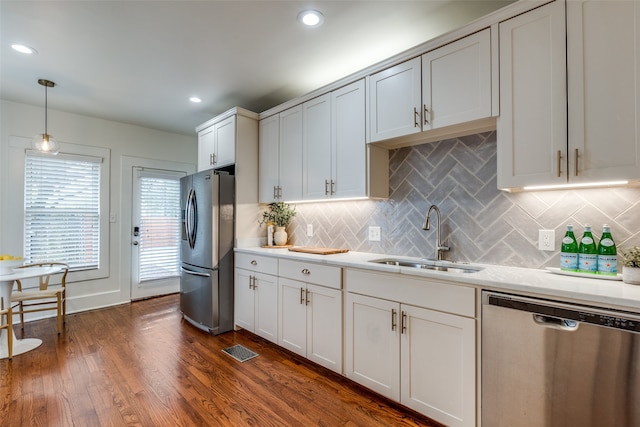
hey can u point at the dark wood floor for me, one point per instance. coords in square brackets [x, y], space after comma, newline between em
[140, 364]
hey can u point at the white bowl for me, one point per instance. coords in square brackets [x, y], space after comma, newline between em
[7, 265]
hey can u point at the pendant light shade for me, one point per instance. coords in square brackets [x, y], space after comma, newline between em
[43, 141]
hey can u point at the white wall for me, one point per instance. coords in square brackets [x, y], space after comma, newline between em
[124, 141]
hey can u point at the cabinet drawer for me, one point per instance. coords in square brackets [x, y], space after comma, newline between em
[308, 272]
[427, 293]
[261, 264]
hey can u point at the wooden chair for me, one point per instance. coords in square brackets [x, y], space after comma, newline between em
[5, 313]
[42, 298]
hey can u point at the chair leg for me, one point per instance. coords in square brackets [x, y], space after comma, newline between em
[59, 312]
[21, 316]
[10, 333]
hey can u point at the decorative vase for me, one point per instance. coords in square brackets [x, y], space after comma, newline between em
[280, 236]
[631, 275]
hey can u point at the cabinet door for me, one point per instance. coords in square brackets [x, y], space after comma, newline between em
[456, 82]
[372, 344]
[603, 59]
[316, 148]
[349, 168]
[206, 148]
[244, 308]
[292, 322]
[225, 146]
[438, 365]
[266, 306]
[394, 101]
[324, 326]
[268, 159]
[532, 127]
[290, 157]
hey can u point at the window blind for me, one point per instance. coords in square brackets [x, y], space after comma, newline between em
[62, 209]
[160, 222]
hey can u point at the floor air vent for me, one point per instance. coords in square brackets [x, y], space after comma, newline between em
[240, 353]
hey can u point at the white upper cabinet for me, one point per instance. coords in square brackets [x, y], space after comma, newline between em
[268, 159]
[532, 127]
[456, 82]
[447, 86]
[217, 144]
[290, 157]
[570, 115]
[349, 163]
[395, 101]
[603, 60]
[317, 180]
[280, 157]
[318, 150]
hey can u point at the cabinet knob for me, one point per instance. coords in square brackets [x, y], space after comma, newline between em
[305, 271]
[254, 262]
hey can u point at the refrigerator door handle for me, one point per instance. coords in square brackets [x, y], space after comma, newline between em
[191, 219]
[194, 273]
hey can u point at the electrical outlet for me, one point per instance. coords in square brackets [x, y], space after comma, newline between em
[374, 234]
[546, 240]
[309, 230]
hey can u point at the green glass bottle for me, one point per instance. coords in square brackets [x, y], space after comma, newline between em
[587, 252]
[569, 251]
[607, 253]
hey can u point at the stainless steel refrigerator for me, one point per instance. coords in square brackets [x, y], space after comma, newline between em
[206, 278]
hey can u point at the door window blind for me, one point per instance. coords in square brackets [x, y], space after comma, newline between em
[62, 210]
[160, 222]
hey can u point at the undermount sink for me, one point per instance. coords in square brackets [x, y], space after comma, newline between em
[446, 266]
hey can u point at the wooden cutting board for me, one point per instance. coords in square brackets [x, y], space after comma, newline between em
[317, 251]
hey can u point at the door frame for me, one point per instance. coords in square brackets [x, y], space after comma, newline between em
[122, 226]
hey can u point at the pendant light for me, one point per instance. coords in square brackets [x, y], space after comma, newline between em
[44, 142]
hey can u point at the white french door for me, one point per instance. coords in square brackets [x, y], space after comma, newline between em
[155, 232]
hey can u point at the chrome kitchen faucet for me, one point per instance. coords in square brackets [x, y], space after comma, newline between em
[440, 247]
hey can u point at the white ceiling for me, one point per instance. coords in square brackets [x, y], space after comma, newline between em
[138, 62]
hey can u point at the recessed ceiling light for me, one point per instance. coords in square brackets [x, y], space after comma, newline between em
[195, 99]
[23, 48]
[311, 18]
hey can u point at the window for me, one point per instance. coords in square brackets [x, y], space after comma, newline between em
[18, 210]
[160, 224]
[62, 209]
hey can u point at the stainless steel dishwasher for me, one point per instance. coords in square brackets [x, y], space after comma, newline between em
[552, 364]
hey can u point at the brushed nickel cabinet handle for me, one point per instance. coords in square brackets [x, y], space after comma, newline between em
[301, 296]
[404, 323]
[416, 118]
[254, 262]
[305, 271]
[559, 159]
[393, 319]
[576, 163]
[426, 115]
[333, 187]
[326, 187]
[307, 297]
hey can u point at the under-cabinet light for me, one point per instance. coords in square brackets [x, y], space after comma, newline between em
[581, 185]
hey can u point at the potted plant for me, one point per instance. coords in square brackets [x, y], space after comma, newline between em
[631, 265]
[280, 215]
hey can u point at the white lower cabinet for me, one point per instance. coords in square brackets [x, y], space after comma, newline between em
[310, 321]
[423, 358]
[256, 296]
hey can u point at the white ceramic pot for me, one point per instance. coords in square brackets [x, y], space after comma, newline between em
[280, 236]
[631, 275]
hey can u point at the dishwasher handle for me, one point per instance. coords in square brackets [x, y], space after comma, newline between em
[556, 322]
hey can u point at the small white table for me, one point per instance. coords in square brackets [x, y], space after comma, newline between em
[6, 287]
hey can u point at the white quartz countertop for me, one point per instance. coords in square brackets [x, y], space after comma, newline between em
[522, 281]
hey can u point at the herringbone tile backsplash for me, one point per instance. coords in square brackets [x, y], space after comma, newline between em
[479, 222]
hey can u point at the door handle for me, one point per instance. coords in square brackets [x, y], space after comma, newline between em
[556, 322]
[194, 273]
